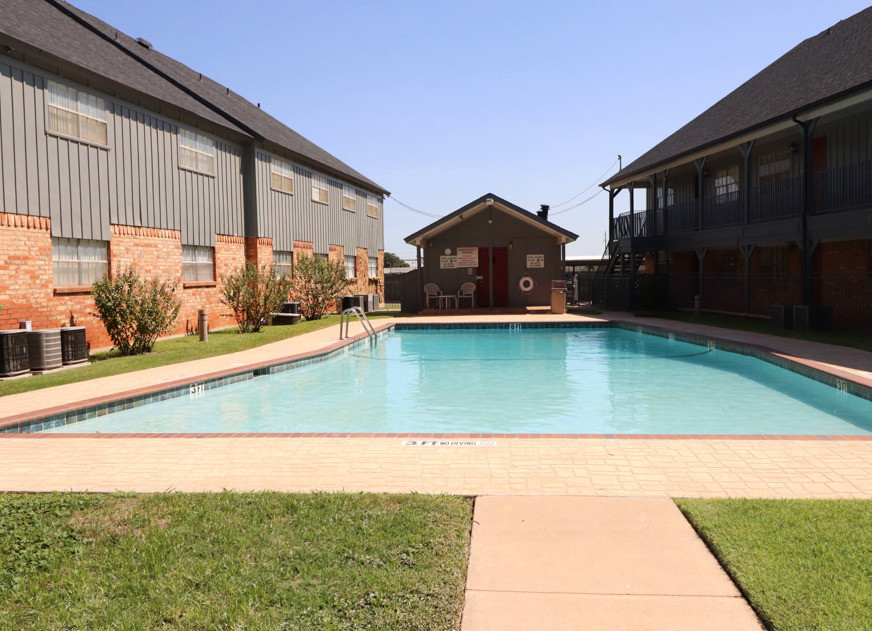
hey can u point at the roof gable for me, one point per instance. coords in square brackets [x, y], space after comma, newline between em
[828, 66]
[478, 205]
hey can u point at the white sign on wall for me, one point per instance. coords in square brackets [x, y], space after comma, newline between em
[535, 260]
[447, 262]
[467, 257]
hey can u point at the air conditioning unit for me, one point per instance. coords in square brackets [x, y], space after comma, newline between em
[811, 318]
[13, 353]
[74, 345]
[44, 349]
[291, 307]
[353, 301]
[369, 302]
[782, 316]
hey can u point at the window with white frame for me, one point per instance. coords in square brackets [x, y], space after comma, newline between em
[774, 167]
[198, 263]
[372, 206]
[372, 263]
[349, 199]
[726, 181]
[320, 192]
[196, 152]
[282, 177]
[77, 114]
[78, 262]
[350, 266]
[284, 263]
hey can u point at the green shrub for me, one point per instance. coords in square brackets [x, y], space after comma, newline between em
[253, 293]
[317, 284]
[135, 311]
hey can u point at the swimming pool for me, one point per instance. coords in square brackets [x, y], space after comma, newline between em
[512, 380]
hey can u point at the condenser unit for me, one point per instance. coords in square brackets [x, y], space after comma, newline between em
[44, 349]
[13, 353]
[74, 345]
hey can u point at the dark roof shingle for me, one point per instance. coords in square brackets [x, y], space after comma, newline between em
[824, 67]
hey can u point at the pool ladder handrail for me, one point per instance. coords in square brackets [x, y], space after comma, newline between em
[345, 319]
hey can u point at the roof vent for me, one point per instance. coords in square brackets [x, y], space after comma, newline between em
[543, 212]
[144, 42]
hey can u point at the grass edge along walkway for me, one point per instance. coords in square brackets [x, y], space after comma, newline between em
[231, 560]
[170, 351]
[803, 565]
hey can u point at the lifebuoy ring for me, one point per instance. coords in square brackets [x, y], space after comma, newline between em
[526, 284]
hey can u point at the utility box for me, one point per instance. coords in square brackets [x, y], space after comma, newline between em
[44, 349]
[558, 296]
[13, 353]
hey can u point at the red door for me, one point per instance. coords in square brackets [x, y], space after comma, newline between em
[500, 265]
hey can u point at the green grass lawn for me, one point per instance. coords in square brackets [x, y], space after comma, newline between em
[804, 565]
[232, 561]
[171, 351]
[863, 341]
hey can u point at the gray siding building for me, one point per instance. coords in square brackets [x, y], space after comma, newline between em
[112, 154]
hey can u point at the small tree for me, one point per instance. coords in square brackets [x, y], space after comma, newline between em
[392, 260]
[135, 311]
[253, 293]
[317, 284]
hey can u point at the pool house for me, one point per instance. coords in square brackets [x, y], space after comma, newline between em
[487, 254]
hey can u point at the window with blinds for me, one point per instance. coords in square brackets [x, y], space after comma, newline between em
[78, 262]
[284, 263]
[198, 263]
[372, 207]
[282, 177]
[320, 192]
[350, 266]
[726, 183]
[372, 262]
[349, 199]
[77, 114]
[196, 152]
[774, 167]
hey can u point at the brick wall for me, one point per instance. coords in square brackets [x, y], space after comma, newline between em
[259, 250]
[229, 257]
[27, 290]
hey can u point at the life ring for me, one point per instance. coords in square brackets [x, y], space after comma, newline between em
[526, 284]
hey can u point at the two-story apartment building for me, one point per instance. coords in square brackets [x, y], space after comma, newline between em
[765, 198]
[114, 155]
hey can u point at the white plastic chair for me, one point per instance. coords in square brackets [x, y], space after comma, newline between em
[431, 292]
[467, 290]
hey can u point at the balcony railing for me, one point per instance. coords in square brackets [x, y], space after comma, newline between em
[776, 200]
[844, 188]
[722, 210]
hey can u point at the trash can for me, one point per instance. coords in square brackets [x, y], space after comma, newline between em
[558, 296]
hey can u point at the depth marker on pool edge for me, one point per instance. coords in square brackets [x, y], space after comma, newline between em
[449, 443]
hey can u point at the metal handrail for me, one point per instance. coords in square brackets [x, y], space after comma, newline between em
[345, 319]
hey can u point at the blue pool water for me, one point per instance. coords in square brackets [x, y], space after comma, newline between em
[578, 381]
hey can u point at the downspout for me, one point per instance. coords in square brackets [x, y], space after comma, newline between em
[807, 129]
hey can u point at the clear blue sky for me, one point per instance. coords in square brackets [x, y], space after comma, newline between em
[441, 102]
